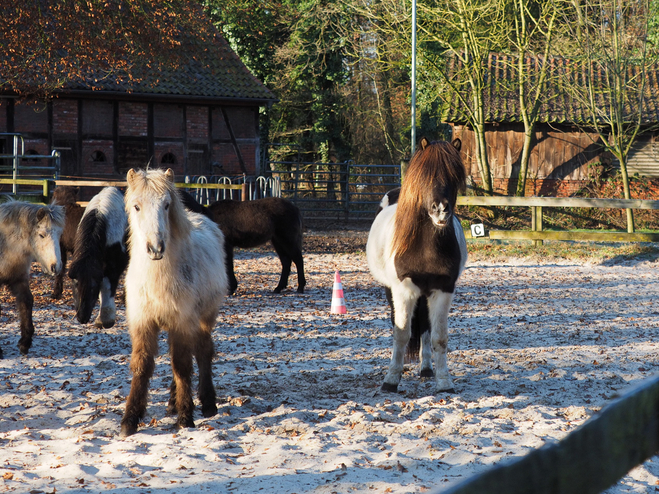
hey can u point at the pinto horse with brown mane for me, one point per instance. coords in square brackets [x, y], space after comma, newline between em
[416, 248]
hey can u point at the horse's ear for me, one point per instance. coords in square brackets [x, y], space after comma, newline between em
[424, 143]
[457, 144]
[170, 175]
[41, 214]
[130, 176]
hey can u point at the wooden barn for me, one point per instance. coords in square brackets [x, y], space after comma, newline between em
[564, 155]
[199, 116]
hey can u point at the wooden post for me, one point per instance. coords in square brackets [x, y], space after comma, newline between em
[630, 220]
[590, 459]
[48, 186]
[243, 192]
[536, 222]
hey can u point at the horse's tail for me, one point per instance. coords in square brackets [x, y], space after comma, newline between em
[300, 229]
[420, 324]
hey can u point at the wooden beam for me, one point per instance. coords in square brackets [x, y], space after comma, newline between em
[588, 460]
[102, 183]
[557, 202]
[568, 236]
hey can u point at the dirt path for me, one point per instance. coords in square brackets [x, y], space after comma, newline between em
[534, 350]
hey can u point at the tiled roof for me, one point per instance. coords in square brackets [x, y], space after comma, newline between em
[223, 76]
[559, 105]
[204, 66]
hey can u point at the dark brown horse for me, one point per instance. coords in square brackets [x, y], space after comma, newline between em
[248, 224]
[66, 196]
[416, 248]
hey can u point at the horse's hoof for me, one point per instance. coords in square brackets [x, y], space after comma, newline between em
[448, 391]
[1, 355]
[24, 347]
[209, 411]
[183, 423]
[426, 372]
[104, 324]
[277, 290]
[300, 289]
[389, 388]
[56, 295]
[127, 430]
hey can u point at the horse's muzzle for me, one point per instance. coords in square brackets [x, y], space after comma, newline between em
[440, 220]
[156, 252]
[54, 269]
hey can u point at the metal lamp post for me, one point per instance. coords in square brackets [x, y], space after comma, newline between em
[413, 136]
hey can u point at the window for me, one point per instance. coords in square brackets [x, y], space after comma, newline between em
[98, 157]
[168, 159]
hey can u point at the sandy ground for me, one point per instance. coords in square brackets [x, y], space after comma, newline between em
[535, 349]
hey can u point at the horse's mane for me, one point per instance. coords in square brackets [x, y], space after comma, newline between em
[27, 214]
[89, 241]
[159, 182]
[434, 164]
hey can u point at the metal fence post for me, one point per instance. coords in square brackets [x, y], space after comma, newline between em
[346, 201]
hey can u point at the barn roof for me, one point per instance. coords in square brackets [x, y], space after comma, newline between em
[175, 51]
[559, 104]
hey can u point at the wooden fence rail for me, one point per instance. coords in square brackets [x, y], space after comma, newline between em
[538, 203]
[590, 459]
[48, 185]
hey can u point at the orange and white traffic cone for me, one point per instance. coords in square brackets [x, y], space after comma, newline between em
[338, 302]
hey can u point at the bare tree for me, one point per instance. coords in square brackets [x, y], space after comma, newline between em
[531, 40]
[609, 78]
[472, 29]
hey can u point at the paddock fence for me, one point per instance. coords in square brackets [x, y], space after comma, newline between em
[335, 191]
[46, 187]
[321, 197]
[538, 233]
[592, 458]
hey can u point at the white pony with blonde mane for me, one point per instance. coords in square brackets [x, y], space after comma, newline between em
[176, 281]
[28, 232]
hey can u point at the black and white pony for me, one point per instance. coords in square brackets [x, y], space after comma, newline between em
[28, 232]
[248, 224]
[416, 248]
[99, 257]
[176, 281]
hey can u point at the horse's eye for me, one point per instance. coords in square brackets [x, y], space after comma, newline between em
[137, 208]
[166, 206]
[42, 235]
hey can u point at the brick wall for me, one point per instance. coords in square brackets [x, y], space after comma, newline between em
[176, 149]
[177, 129]
[133, 119]
[90, 150]
[65, 117]
[30, 118]
[3, 115]
[197, 123]
[225, 156]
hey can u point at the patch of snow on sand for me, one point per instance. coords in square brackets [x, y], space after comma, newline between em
[534, 349]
